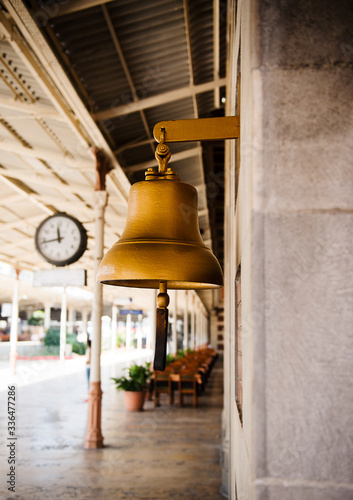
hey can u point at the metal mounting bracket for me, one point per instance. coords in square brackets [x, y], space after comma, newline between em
[198, 129]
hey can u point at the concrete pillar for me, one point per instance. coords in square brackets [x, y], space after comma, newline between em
[174, 311]
[229, 414]
[294, 222]
[151, 338]
[186, 321]
[207, 328]
[71, 321]
[94, 437]
[128, 332]
[47, 311]
[114, 326]
[200, 327]
[213, 329]
[84, 321]
[139, 331]
[14, 323]
[63, 315]
[193, 339]
[197, 326]
[202, 320]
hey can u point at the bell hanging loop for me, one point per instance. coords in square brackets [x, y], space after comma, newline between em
[162, 155]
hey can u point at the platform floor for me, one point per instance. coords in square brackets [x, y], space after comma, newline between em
[159, 453]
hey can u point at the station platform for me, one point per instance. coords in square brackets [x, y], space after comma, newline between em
[159, 453]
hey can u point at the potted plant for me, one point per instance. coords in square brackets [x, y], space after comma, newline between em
[36, 322]
[134, 386]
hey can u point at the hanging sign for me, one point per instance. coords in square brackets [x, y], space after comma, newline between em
[60, 277]
[130, 311]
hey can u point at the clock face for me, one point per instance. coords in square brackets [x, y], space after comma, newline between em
[61, 239]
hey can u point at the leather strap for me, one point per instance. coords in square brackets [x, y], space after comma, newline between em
[161, 339]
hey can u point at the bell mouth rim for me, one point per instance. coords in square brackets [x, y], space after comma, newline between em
[164, 180]
[154, 284]
[160, 241]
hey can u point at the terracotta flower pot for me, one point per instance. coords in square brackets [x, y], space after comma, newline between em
[134, 400]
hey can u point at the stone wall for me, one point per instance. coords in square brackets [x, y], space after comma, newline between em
[295, 245]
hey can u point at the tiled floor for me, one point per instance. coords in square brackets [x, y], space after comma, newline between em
[156, 454]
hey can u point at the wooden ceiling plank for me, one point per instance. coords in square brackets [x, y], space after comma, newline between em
[46, 155]
[125, 68]
[30, 110]
[70, 7]
[188, 44]
[51, 76]
[216, 51]
[159, 99]
[45, 208]
[20, 222]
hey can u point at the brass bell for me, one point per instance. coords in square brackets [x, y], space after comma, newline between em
[161, 245]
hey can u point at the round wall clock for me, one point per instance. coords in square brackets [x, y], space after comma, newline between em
[61, 239]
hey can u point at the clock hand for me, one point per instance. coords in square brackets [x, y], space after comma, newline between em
[49, 241]
[59, 237]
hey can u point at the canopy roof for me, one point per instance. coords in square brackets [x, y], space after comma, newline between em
[92, 73]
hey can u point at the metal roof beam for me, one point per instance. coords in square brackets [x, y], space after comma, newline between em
[33, 221]
[125, 67]
[31, 197]
[47, 70]
[182, 155]
[57, 9]
[188, 44]
[134, 145]
[30, 109]
[35, 179]
[45, 155]
[20, 244]
[157, 100]
[216, 50]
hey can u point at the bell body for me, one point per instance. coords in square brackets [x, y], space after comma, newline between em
[161, 241]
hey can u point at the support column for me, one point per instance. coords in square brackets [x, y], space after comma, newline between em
[63, 315]
[153, 326]
[84, 321]
[198, 327]
[173, 309]
[202, 333]
[186, 322]
[139, 331]
[14, 323]
[47, 310]
[94, 437]
[193, 340]
[114, 326]
[207, 329]
[72, 316]
[128, 332]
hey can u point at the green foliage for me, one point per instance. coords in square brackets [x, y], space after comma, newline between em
[52, 337]
[36, 318]
[77, 347]
[120, 340]
[169, 359]
[136, 380]
[180, 353]
[51, 350]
